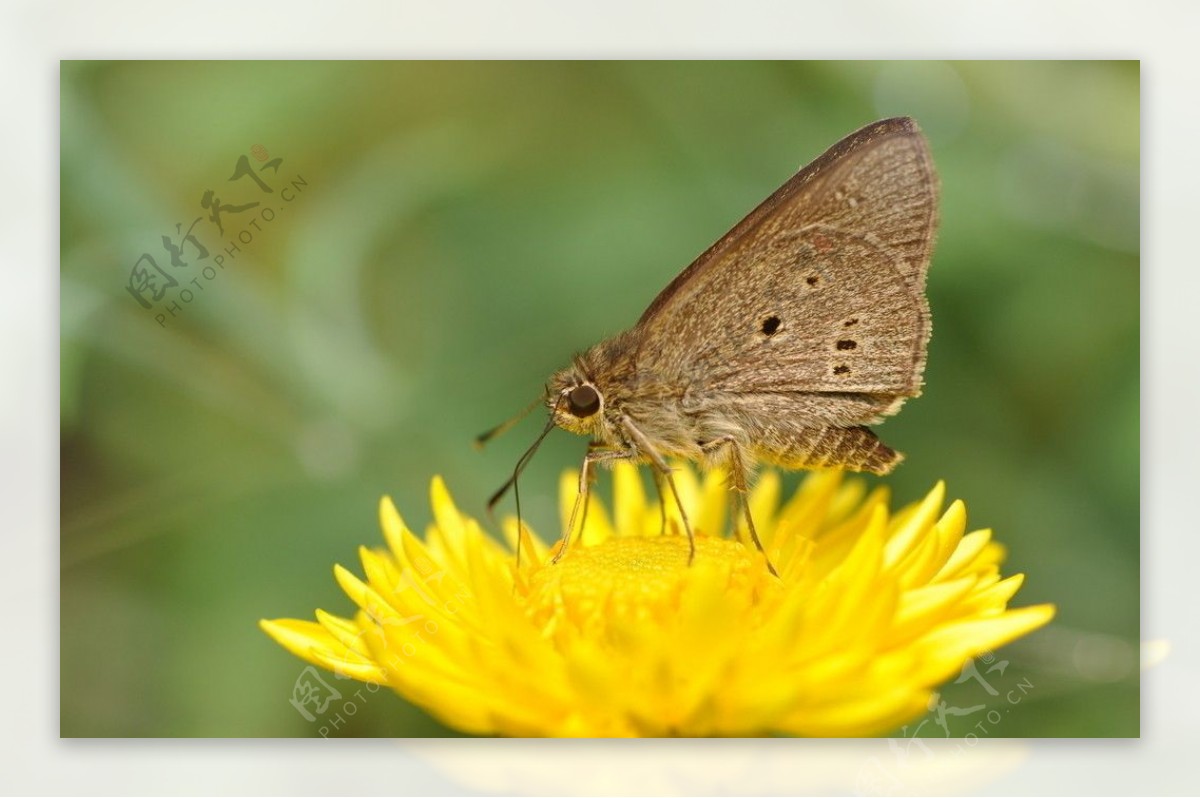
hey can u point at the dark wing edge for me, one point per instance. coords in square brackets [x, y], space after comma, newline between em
[797, 183]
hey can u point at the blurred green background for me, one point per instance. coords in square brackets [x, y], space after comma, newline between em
[456, 231]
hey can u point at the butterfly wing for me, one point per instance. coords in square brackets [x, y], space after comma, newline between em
[821, 289]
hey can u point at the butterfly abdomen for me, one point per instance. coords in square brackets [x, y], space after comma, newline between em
[849, 448]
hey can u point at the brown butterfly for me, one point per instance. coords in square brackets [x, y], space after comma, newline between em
[805, 323]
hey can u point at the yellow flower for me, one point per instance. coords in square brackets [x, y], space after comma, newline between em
[872, 610]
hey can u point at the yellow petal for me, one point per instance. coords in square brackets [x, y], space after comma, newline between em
[629, 499]
[302, 638]
[911, 524]
[393, 526]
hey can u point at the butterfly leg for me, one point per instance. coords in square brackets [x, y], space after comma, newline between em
[594, 455]
[585, 480]
[662, 501]
[737, 475]
[664, 470]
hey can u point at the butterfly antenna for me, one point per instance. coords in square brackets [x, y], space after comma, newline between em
[505, 426]
[511, 482]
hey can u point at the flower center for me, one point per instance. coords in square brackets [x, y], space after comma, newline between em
[638, 577]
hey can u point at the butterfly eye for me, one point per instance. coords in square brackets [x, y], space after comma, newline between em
[583, 401]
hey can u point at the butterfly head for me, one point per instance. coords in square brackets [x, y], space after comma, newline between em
[576, 402]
